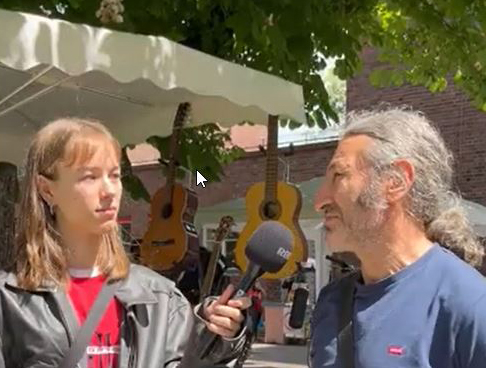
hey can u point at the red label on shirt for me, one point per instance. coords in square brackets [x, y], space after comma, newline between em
[104, 347]
[395, 350]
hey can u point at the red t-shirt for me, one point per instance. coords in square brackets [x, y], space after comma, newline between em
[104, 348]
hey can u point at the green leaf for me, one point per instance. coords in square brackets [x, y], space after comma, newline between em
[131, 183]
[294, 125]
[74, 3]
[203, 147]
[438, 85]
[300, 46]
[380, 77]
[341, 69]
[458, 76]
[239, 23]
[456, 8]
[134, 186]
[278, 42]
[481, 56]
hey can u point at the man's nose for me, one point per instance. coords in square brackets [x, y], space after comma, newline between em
[323, 196]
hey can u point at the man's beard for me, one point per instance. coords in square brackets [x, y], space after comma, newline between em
[367, 218]
[363, 223]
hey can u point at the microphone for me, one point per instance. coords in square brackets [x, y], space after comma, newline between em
[299, 306]
[268, 250]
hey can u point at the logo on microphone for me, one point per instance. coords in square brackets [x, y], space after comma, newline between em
[240, 293]
[284, 253]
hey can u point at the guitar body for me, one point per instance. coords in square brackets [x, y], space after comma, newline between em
[289, 204]
[171, 240]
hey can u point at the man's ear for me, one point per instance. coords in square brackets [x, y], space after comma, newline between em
[45, 188]
[399, 185]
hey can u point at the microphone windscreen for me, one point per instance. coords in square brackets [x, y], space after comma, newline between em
[270, 246]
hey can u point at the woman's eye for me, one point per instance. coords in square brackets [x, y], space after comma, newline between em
[116, 175]
[88, 177]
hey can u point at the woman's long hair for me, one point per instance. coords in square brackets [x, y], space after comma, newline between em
[39, 256]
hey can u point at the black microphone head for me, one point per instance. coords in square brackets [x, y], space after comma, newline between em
[270, 246]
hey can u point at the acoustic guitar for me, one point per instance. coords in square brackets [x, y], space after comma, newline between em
[224, 228]
[171, 241]
[277, 201]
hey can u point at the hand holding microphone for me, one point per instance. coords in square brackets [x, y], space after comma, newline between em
[268, 250]
[224, 316]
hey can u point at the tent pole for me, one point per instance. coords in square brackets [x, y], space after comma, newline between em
[34, 96]
[26, 84]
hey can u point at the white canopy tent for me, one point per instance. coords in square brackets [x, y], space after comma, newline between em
[133, 83]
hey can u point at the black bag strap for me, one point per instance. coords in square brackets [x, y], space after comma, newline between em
[83, 337]
[345, 334]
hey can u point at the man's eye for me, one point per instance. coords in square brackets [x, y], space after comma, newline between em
[337, 175]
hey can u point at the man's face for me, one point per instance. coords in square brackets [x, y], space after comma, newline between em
[346, 198]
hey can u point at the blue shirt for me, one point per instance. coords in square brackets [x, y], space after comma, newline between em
[431, 314]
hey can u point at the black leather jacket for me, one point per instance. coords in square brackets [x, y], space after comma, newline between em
[36, 329]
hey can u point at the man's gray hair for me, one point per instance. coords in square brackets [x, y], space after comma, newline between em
[401, 133]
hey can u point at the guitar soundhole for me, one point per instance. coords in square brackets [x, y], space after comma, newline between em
[271, 210]
[167, 211]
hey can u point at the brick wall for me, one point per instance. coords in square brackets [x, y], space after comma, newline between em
[461, 124]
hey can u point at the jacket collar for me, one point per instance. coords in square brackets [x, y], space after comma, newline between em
[130, 292]
[11, 280]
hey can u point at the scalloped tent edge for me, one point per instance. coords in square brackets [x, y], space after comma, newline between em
[133, 83]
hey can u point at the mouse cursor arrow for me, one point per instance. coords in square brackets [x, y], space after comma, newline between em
[200, 179]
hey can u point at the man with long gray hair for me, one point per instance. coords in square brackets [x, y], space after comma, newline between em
[388, 198]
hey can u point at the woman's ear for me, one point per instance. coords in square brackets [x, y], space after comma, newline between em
[45, 188]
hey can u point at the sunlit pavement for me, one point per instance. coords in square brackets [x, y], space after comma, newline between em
[277, 356]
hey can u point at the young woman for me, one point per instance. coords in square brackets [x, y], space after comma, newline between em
[68, 247]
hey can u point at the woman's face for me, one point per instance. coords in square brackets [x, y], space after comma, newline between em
[87, 195]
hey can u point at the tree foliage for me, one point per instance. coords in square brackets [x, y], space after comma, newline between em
[434, 40]
[206, 148]
[427, 42]
[429, 39]
[131, 182]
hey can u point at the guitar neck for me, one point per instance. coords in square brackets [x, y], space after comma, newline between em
[174, 143]
[271, 175]
[211, 270]
[171, 170]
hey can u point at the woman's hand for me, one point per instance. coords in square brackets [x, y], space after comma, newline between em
[224, 317]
